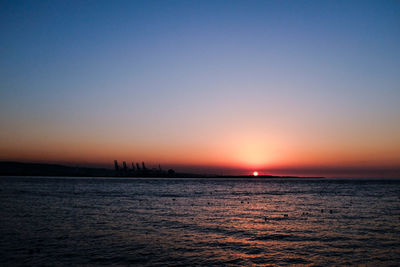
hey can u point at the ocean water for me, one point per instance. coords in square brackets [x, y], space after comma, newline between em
[235, 222]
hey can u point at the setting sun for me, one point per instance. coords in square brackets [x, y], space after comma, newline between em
[255, 173]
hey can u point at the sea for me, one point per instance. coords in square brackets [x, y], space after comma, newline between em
[202, 222]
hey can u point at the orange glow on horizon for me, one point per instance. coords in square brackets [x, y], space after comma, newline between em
[255, 173]
[242, 149]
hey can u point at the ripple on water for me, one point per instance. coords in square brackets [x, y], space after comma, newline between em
[52, 221]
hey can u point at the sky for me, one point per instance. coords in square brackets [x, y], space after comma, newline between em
[276, 86]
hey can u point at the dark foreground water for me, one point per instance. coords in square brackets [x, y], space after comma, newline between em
[95, 221]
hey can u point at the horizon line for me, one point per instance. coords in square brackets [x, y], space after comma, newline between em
[326, 170]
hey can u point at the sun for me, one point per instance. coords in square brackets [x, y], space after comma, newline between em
[255, 173]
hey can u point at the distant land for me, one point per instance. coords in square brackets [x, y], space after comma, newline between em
[11, 168]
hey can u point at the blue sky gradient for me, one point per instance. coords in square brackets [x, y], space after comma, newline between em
[307, 82]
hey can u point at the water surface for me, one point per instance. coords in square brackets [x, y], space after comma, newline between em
[96, 221]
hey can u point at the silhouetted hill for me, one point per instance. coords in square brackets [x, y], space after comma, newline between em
[42, 169]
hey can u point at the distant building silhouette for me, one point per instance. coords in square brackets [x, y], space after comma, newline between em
[141, 170]
[133, 167]
[116, 165]
[125, 167]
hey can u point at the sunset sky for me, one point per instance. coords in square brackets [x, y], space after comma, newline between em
[302, 86]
